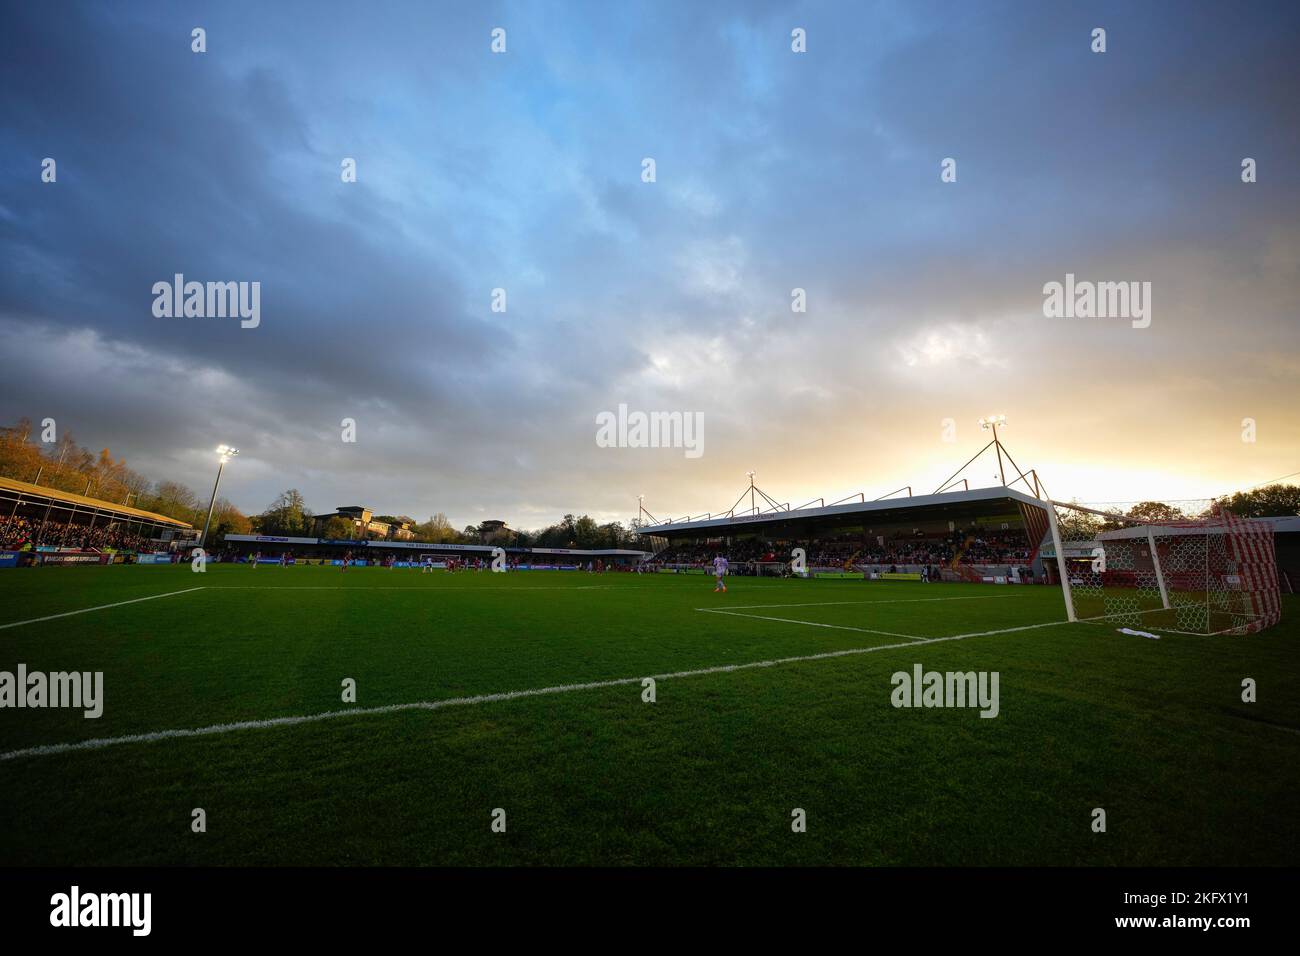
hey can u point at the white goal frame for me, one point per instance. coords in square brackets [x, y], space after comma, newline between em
[1158, 569]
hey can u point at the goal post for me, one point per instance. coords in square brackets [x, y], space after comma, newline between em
[1061, 569]
[1188, 567]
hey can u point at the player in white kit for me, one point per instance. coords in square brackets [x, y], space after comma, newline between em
[719, 573]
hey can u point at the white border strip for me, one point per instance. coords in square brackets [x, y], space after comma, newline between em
[101, 607]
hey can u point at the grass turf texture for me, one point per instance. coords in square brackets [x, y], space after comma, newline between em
[1155, 732]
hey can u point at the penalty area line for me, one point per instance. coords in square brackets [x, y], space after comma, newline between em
[215, 729]
[742, 607]
[101, 607]
[911, 637]
[790, 620]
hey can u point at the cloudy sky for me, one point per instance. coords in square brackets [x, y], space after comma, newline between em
[775, 171]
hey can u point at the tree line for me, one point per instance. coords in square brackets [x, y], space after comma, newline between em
[64, 465]
[1269, 501]
[289, 516]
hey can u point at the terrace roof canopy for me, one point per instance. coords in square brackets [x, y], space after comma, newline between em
[975, 503]
[12, 490]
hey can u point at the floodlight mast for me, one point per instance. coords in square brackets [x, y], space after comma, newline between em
[224, 453]
[641, 512]
[993, 421]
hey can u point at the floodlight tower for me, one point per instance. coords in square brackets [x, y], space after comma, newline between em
[224, 453]
[641, 512]
[753, 507]
[993, 421]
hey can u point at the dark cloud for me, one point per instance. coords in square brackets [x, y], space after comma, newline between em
[775, 171]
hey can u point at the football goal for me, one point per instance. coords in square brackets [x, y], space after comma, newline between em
[1185, 567]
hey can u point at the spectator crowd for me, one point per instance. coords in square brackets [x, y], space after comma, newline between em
[980, 546]
[17, 531]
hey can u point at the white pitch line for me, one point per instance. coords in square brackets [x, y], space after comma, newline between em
[985, 597]
[790, 620]
[1289, 730]
[406, 587]
[101, 742]
[101, 607]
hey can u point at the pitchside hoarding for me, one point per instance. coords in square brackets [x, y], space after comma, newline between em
[72, 557]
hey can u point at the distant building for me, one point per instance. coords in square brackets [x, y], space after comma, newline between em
[496, 532]
[365, 525]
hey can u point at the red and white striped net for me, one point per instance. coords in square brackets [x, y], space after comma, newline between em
[1184, 566]
[1252, 550]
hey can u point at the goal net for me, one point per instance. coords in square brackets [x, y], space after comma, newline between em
[1190, 567]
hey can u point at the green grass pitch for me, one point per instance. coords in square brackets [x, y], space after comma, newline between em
[1153, 732]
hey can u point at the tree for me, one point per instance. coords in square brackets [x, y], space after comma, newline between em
[19, 458]
[227, 519]
[137, 486]
[337, 528]
[1156, 512]
[17, 432]
[288, 515]
[437, 530]
[1079, 525]
[173, 500]
[581, 532]
[107, 475]
[585, 533]
[227, 514]
[1271, 501]
[613, 535]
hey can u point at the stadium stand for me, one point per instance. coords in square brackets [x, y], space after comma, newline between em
[43, 520]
